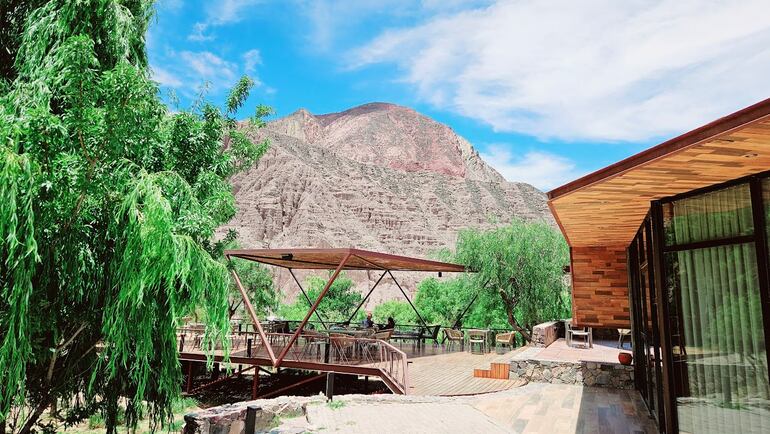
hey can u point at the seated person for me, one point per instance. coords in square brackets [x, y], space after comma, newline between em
[391, 324]
[368, 323]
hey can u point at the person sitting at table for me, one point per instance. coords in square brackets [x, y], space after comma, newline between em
[368, 323]
[390, 325]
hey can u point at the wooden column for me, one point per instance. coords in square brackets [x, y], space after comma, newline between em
[330, 386]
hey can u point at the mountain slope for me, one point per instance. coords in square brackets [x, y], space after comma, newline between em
[379, 177]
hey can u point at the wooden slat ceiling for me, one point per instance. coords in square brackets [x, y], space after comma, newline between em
[606, 208]
[329, 259]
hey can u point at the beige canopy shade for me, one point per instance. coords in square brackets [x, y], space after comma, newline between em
[330, 259]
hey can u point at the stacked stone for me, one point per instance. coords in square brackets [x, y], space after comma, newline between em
[231, 419]
[610, 375]
[545, 334]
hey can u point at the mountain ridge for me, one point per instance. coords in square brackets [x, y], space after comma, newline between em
[379, 177]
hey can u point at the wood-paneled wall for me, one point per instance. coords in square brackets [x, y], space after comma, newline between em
[600, 287]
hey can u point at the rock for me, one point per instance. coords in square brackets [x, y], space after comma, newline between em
[378, 177]
[238, 427]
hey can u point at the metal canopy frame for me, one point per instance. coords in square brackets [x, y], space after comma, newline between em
[329, 259]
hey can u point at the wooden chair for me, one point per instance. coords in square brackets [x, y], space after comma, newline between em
[505, 339]
[454, 337]
[369, 348]
[622, 333]
[383, 335]
[477, 339]
[581, 332]
[314, 342]
[342, 346]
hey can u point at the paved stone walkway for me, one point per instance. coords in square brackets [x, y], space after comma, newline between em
[603, 351]
[534, 408]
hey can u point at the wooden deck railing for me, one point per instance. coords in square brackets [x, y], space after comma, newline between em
[313, 350]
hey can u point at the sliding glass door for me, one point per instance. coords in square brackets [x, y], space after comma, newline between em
[714, 288]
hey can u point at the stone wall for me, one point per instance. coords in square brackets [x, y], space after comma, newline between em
[612, 375]
[546, 333]
[231, 419]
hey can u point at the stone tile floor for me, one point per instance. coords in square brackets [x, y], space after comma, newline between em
[534, 408]
[603, 351]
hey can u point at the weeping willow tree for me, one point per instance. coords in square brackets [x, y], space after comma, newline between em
[109, 203]
[519, 274]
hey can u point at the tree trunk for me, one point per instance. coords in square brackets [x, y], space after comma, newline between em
[34, 417]
[510, 305]
[523, 331]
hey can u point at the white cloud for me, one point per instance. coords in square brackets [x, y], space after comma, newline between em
[598, 69]
[251, 59]
[198, 33]
[543, 170]
[186, 71]
[165, 78]
[219, 13]
[207, 66]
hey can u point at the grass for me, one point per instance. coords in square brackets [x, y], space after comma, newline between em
[95, 423]
[335, 405]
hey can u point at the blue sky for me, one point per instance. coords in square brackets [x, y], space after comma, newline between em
[546, 90]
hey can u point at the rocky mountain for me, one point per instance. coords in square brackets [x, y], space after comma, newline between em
[380, 177]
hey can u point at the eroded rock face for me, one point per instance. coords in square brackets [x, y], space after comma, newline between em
[378, 177]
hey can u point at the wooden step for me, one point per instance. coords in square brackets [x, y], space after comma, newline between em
[498, 371]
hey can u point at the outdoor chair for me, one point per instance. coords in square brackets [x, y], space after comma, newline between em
[505, 339]
[581, 332]
[454, 337]
[477, 339]
[314, 342]
[342, 347]
[383, 335]
[432, 334]
[622, 333]
[369, 347]
[369, 332]
[235, 341]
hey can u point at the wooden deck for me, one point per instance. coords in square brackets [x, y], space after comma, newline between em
[451, 374]
[432, 370]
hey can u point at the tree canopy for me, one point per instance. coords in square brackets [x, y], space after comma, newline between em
[109, 206]
[519, 281]
[336, 306]
[520, 269]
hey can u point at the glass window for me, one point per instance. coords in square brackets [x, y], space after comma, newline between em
[714, 215]
[716, 312]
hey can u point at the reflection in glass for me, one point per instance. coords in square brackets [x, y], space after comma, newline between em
[721, 372]
[715, 215]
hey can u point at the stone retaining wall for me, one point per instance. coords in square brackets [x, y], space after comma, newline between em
[546, 333]
[231, 419]
[612, 375]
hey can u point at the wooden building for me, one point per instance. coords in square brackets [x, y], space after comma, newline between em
[672, 242]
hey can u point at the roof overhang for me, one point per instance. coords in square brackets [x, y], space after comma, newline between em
[606, 207]
[330, 259]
